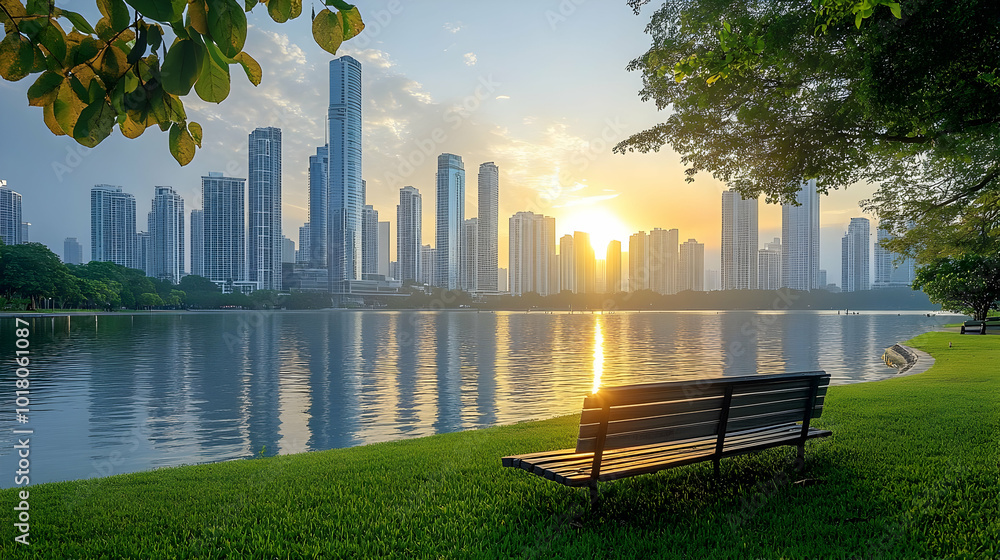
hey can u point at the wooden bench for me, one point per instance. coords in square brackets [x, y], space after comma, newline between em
[640, 429]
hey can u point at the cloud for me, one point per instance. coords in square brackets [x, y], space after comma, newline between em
[502, 97]
[470, 59]
[453, 27]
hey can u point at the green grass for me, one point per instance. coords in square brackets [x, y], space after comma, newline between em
[910, 472]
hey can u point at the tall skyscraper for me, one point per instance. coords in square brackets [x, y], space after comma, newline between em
[800, 240]
[892, 270]
[112, 227]
[567, 264]
[739, 242]
[10, 215]
[613, 268]
[691, 270]
[470, 255]
[585, 262]
[855, 260]
[769, 268]
[428, 264]
[144, 243]
[345, 198]
[319, 207]
[383, 250]
[638, 261]
[287, 251]
[488, 249]
[369, 240]
[408, 235]
[532, 254]
[224, 230]
[198, 242]
[72, 251]
[25, 232]
[264, 193]
[449, 218]
[166, 235]
[663, 260]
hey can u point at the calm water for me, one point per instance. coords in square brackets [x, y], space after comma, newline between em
[116, 394]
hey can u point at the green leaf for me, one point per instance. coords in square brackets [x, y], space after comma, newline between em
[182, 146]
[95, 123]
[197, 14]
[213, 83]
[49, 117]
[894, 8]
[43, 91]
[328, 31]
[117, 13]
[352, 23]
[83, 51]
[78, 22]
[228, 25]
[181, 66]
[138, 49]
[154, 36]
[195, 130]
[17, 57]
[131, 129]
[67, 106]
[113, 64]
[249, 4]
[280, 10]
[160, 10]
[250, 66]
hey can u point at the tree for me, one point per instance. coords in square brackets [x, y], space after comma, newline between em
[766, 93]
[30, 270]
[96, 76]
[967, 284]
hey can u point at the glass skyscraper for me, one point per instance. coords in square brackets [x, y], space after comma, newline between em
[10, 215]
[345, 192]
[166, 231]
[739, 242]
[319, 206]
[450, 217]
[408, 234]
[488, 244]
[198, 242]
[264, 193]
[112, 227]
[855, 255]
[800, 240]
[224, 228]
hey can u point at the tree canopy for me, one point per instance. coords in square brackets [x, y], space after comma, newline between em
[765, 93]
[135, 64]
[968, 284]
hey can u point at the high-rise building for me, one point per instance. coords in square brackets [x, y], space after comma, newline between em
[408, 235]
[769, 266]
[383, 250]
[224, 228]
[25, 232]
[585, 264]
[72, 251]
[502, 280]
[10, 215]
[892, 270]
[488, 248]
[638, 262]
[369, 240]
[345, 191]
[449, 219]
[264, 194]
[663, 260]
[166, 235]
[691, 270]
[319, 207]
[713, 280]
[613, 268]
[305, 239]
[112, 227]
[198, 242]
[532, 254]
[428, 263]
[855, 261]
[739, 242]
[567, 264]
[144, 243]
[470, 255]
[287, 251]
[800, 240]
[822, 278]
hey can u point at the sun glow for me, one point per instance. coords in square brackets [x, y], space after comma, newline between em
[602, 225]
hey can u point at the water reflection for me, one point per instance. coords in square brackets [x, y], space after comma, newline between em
[123, 393]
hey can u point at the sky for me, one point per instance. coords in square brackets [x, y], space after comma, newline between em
[538, 87]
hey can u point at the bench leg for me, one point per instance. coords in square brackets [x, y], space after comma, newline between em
[715, 464]
[800, 457]
[594, 497]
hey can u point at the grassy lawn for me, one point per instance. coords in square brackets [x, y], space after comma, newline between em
[910, 472]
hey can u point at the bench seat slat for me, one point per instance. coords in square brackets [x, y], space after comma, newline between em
[668, 433]
[593, 415]
[686, 390]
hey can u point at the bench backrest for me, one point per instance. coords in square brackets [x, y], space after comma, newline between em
[656, 413]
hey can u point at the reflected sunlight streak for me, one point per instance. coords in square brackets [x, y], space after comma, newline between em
[598, 356]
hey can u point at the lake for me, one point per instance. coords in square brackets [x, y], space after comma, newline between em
[121, 393]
